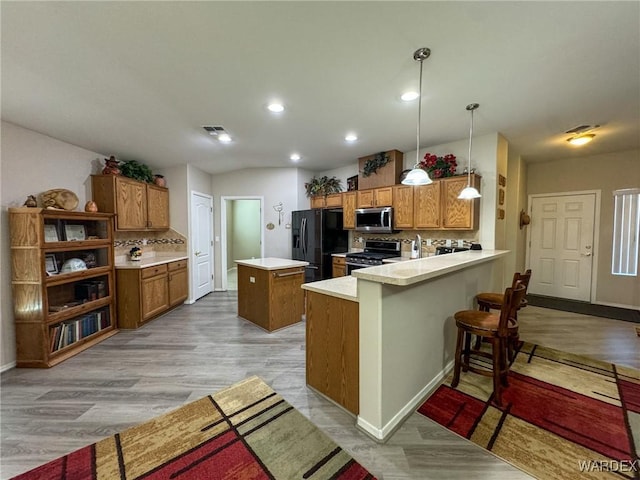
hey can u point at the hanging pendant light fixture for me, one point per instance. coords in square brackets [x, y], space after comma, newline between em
[418, 176]
[469, 192]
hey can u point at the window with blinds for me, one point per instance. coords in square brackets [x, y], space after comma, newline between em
[626, 228]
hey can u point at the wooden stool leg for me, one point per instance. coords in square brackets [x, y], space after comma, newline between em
[497, 384]
[458, 359]
[504, 367]
[483, 308]
[467, 351]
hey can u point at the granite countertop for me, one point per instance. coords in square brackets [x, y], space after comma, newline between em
[341, 287]
[271, 263]
[418, 270]
[123, 262]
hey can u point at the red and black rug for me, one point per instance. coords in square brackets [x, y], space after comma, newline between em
[564, 416]
[244, 432]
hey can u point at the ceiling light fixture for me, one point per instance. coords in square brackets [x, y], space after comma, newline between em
[351, 137]
[418, 176]
[581, 139]
[224, 138]
[295, 157]
[469, 192]
[409, 96]
[275, 107]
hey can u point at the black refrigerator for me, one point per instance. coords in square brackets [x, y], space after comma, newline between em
[317, 234]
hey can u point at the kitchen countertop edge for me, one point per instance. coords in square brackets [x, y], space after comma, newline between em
[150, 261]
[271, 263]
[345, 288]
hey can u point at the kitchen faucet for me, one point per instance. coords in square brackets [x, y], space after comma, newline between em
[418, 241]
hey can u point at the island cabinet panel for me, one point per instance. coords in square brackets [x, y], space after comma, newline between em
[349, 200]
[403, 206]
[272, 299]
[332, 349]
[339, 267]
[426, 206]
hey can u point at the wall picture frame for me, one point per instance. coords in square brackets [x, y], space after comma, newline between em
[501, 197]
[352, 183]
[74, 232]
[50, 264]
[50, 233]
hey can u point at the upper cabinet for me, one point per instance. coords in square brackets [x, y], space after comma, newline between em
[332, 200]
[349, 210]
[375, 197]
[138, 206]
[459, 214]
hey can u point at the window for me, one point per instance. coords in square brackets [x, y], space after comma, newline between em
[626, 227]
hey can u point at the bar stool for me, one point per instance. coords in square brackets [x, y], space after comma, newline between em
[496, 329]
[493, 301]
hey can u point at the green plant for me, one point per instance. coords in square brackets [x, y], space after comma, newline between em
[372, 165]
[323, 186]
[136, 170]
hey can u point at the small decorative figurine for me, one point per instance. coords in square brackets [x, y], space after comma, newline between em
[91, 206]
[111, 166]
[135, 254]
[31, 201]
[159, 180]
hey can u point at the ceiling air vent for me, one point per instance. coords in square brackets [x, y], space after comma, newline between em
[213, 129]
[581, 129]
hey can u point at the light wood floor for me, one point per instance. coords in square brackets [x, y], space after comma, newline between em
[199, 349]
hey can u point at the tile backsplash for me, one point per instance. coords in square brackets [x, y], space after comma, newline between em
[168, 241]
[430, 239]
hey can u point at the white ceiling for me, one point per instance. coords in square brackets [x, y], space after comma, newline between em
[139, 79]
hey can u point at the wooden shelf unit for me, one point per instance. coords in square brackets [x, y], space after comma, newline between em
[58, 314]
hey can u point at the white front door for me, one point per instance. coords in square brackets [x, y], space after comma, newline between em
[201, 244]
[561, 245]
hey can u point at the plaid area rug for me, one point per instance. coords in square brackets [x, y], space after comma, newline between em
[563, 417]
[246, 431]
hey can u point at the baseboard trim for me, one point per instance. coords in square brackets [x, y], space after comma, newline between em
[7, 366]
[585, 308]
[383, 434]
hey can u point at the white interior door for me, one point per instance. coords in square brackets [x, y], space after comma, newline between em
[202, 245]
[561, 245]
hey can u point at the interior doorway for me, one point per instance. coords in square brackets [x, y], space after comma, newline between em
[242, 235]
[562, 245]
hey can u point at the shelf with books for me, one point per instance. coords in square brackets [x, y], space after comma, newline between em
[63, 283]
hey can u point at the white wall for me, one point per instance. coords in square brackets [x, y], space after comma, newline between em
[275, 185]
[31, 164]
[176, 178]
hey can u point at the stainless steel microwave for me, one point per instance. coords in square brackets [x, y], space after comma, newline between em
[374, 220]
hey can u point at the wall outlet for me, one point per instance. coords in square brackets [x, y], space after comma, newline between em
[428, 242]
[447, 243]
[144, 241]
[461, 243]
[252, 279]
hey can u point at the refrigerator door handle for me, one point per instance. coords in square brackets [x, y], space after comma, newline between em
[311, 267]
[303, 229]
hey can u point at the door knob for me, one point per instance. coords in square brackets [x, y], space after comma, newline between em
[588, 254]
[197, 253]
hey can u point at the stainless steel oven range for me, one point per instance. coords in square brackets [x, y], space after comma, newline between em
[375, 251]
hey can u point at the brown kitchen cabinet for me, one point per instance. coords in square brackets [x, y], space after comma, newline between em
[333, 200]
[60, 312]
[375, 197]
[138, 206]
[332, 349]
[403, 202]
[349, 200]
[426, 206]
[459, 214]
[145, 293]
[318, 201]
[270, 298]
[339, 267]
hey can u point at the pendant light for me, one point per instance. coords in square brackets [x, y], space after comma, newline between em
[469, 192]
[418, 176]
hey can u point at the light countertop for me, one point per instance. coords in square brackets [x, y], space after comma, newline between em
[123, 262]
[271, 263]
[341, 287]
[418, 270]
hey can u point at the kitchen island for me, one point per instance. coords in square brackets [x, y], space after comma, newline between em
[406, 332]
[269, 293]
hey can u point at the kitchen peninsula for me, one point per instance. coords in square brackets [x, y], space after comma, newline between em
[405, 331]
[269, 292]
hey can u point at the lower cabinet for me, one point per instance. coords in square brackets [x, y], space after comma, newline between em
[332, 349]
[145, 293]
[339, 267]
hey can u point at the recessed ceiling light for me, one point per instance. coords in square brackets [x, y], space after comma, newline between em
[409, 96]
[224, 138]
[295, 157]
[275, 107]
[351, 137]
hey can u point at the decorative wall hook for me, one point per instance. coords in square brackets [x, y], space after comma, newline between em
[278, 208]
[525, 219]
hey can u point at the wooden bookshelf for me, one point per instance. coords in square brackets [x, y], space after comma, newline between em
[62, 281]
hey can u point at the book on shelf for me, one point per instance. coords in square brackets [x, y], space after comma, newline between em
[68, 332]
